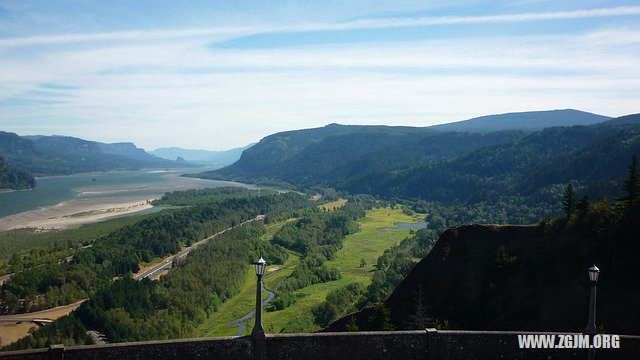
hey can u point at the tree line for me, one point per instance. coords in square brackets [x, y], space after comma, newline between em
[121, 251]
[173, 306]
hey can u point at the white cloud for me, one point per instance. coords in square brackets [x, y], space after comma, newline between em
[377, 23]
[182, 92]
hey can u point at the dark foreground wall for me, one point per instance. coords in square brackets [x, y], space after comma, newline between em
[428, 345]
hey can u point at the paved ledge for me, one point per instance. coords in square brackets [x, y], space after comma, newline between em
[419, 344]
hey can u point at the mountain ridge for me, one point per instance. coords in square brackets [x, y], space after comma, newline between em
[63, 155]
[222, 157]
[528, 120]
[435, 165]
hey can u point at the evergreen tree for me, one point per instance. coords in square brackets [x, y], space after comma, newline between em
[418, 320]
[569, 200]
[632, 185]
[352, 325]
[583, 205]
[381, 319]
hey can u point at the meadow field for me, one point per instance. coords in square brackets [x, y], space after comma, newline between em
[378, 232]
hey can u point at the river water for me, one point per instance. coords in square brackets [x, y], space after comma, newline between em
[52, 190]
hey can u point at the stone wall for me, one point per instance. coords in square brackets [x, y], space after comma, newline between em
[430, 344]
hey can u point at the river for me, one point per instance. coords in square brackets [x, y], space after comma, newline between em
[53, 190]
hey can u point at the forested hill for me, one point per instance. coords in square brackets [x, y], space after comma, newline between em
[594, 157]
[320, 151]
[532, 277]
[531, 120]
[275, 152]
[14, 179]
[444, 166]
[62, 155]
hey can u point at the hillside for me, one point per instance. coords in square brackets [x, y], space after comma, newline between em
[274, 150]
[424, 163]
[532, 120]
[62, 155]
[533, 277]
[225, 157]
[301, 158]
[593, 156]
[14, 179]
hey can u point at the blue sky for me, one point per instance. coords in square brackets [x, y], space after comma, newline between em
[221, 74]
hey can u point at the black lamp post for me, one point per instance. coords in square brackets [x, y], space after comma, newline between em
[591, 329]
[257, 329]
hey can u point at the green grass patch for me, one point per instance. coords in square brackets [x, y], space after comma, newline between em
[334, 204]
[378, 232]
[244, 301]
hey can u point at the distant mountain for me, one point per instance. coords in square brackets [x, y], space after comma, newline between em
[14, 179]
[128, 150]
[63, 155]
[593, 156]
[225, 157]
[332, 153]
[278, 148]
[527, 278]
[632, 119]
[315, 153]
[531, 120]
[435, 165]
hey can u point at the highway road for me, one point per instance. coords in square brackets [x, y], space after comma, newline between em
[167, 263]
[37, 321]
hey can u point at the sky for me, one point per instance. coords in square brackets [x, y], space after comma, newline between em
[221, 74]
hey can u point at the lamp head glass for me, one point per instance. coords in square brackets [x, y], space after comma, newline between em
[594, 272]
[260, 266]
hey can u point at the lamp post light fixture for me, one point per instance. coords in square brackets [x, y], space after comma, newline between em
[260, 264]
[591, 329]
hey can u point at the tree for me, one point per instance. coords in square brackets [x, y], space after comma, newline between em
[583, 205]
[363, 262]
[569, 200]
[418, 320]
[632, 185]
[352, 325]
[380, 319]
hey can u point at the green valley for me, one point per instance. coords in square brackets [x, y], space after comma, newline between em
[355, 260]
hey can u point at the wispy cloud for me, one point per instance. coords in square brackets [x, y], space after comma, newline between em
[377, 23]
[170, 87]
[153, 89]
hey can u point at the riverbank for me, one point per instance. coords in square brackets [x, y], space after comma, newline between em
[76, 212]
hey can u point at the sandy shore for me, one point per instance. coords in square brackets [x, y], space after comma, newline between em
[75, 212]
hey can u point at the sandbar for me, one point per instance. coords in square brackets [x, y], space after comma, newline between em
[75, 212]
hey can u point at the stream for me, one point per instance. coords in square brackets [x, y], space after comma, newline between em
[242, 322]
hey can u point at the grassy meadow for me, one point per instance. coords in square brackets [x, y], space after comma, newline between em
[377, 232]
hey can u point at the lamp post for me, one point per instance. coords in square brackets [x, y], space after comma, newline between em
[257, 329]
[591, 329]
